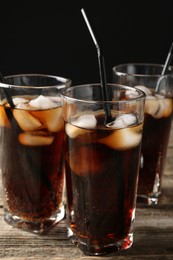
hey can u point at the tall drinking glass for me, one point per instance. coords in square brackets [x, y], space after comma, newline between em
[157, 123]
[102, 163]
[31, 134]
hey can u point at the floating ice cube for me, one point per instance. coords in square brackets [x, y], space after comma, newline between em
[86, 161]
[146, 90]
[123, 121]
[51, 119]
[151, 105]
[123, 139]
[56, 100]
[74, 131]
[158, 106]
[42, 102]
[19, 100]
[4, 122]
[85, 121]
[3, 102]
[80, 126]
[165, 108]
[159, 96]
[35, 138]
[23, 106]
[131, 94]
[25, 120]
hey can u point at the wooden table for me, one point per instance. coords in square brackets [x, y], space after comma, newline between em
[153, 235]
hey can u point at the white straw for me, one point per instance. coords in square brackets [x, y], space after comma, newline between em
[89, 27]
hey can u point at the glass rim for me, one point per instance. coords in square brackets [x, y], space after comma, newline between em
[140, 64]
[64, 94]
[60, 81]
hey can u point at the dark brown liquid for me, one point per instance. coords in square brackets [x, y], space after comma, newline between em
[32, 175]
[104, 188]
[154, 146]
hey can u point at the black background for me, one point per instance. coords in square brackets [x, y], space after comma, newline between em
[51, 36]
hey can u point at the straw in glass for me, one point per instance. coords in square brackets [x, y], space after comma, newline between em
[166, 65]
[168, 61]
[16, 128]
[101, 70]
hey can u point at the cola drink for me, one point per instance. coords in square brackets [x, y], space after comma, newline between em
[156, 81]
[157, 125]
[32, 161]
[102, 164]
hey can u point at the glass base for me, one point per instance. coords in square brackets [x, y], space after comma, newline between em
[95, 249]
[149, 200]
[34, 227]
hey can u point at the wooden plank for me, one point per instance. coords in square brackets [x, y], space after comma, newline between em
[153, 236]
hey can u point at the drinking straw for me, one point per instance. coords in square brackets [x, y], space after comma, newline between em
[166, 65]
[168, 60]
[104, 91]
[5, 92]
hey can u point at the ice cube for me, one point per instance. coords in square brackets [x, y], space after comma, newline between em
[73, 131]
[4, 122]
[56, 100]
[81, 125]
[158, 106]
[131, 94]
[146, 90]
[87, 160]
[85, 121]
[123, 121]
[42, 102]
[19, 100]
[159, 96]
[25, 120]
[3, 102]
[23, 106]
[35, 138]
[123, 139]
[151, 105]
[51, 119]
[165, 108]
